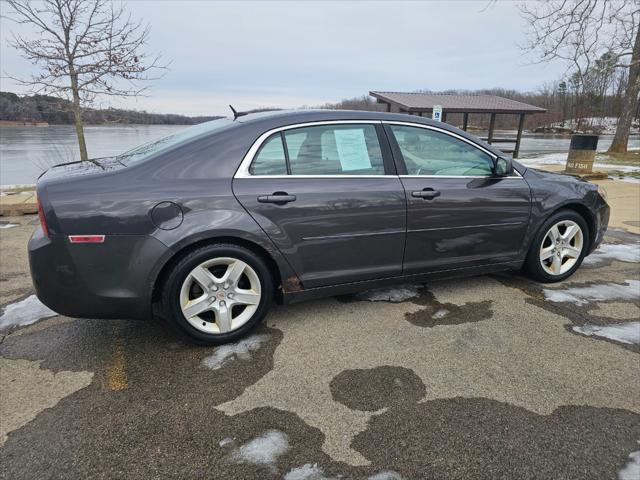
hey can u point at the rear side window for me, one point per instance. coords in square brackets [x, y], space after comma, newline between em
[428, 152]
[270, 159]
[334, 150]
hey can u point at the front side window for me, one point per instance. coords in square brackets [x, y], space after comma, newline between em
[428, 152]
[334, 150]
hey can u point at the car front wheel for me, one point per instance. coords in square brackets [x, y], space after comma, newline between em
[217, 293]
[558, 248]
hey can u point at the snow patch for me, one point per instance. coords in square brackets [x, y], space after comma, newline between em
[443, 312]
[306, 472]
[624, 252]
[8, 225]
[386, 475]
[630, 290]
[393, 294]
[25, 312]
[628, 332]
[625, 178]
[263, 450]
[241, 349]
[225, 441]
[631, 471]
[561, 159]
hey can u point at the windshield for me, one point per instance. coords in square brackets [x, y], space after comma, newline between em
[148, 150]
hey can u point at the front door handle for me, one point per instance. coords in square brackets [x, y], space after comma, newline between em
[426, 193]
[279, 198]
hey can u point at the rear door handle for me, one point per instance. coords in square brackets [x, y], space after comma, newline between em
[427, 193]
[277, 198]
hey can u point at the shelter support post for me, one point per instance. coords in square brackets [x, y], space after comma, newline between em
[492, 126]
[519, 136]
[465, 121]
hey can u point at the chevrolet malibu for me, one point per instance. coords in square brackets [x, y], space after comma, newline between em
[208, 227]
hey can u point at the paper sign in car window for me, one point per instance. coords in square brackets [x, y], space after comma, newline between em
[352, 149]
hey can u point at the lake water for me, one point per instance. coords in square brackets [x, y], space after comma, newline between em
[25, 152]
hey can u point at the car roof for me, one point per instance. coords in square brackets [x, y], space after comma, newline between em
[286, 116]
[281, 118]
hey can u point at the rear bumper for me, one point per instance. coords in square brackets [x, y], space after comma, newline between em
[113, 279]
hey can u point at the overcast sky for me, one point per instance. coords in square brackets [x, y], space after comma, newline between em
[290, 54]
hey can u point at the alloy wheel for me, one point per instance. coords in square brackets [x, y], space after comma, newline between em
[561, 247]
[220, 295]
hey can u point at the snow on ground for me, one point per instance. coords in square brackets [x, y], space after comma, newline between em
[561, 159]
[25, 312]
[225, 441]
[314, 472]
[263, 450]
[241, 349]
[630, 290]
[306, 472]
[8, 225]
[628, 332]
[386, 475]
[625, 178]
[623, 252]
[606, 125]
[631, 471]
[392, 294]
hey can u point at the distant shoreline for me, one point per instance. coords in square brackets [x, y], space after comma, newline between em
[15, 123]
[11, 123]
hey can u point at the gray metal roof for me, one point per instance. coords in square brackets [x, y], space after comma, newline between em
[454, 103]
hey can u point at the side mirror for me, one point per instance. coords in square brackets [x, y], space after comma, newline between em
[503, 167]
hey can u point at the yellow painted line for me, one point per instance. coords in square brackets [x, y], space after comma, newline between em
[116, 378]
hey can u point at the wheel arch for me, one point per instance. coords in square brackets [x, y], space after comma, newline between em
[254, 247]
[585, 213]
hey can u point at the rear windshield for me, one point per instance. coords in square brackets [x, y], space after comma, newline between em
[151, 149]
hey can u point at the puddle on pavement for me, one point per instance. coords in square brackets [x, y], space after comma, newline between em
[25, 312]
[628, 332]
[396, 294]
[227, 353]
[434, 313]
[373, 389]
[425, 438]
[27, 390]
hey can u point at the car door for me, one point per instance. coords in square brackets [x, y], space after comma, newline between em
[328, 197]
[459, 214]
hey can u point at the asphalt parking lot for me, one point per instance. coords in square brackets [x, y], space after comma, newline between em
[486, 377]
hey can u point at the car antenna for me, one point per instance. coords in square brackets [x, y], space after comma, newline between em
[237, 114]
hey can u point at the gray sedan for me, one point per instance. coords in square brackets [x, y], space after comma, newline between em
[209, 226]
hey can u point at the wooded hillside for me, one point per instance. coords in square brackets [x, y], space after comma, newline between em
[55, 111]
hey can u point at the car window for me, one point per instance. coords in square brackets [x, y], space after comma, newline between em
[149, 150]
[428, 152]
[270, 159]
[334, 150]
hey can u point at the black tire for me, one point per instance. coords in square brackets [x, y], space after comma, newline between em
[532, 265]
[170, 302]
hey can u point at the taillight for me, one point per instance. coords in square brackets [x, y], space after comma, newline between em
[43, 221]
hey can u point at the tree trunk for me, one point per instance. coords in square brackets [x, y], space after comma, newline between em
[77, 115]
[629, 102]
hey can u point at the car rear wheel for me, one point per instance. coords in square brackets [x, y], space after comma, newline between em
[218, 293]
[558, 248]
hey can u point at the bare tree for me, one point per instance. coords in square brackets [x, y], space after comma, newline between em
[86, 49]
[580, 32]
